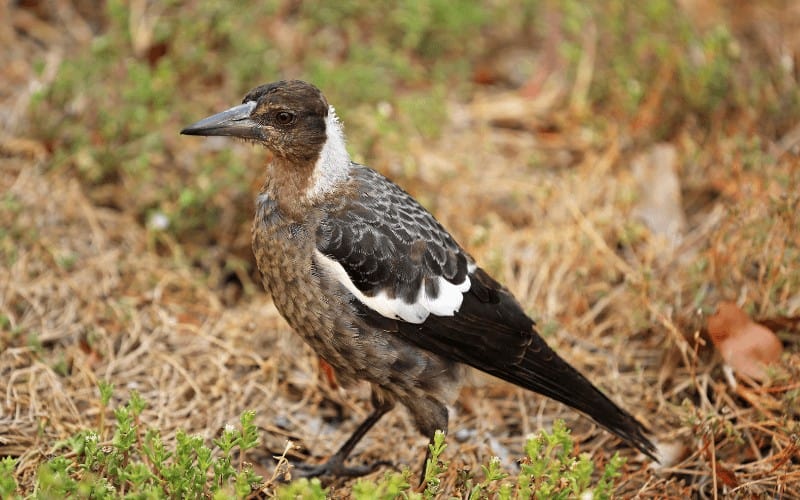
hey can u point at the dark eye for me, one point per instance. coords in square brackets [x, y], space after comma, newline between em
[284, 118]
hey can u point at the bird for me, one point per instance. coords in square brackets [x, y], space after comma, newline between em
[377, 287]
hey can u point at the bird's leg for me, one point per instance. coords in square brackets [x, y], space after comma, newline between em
[334, 466]
[424, 468]
[429, 416]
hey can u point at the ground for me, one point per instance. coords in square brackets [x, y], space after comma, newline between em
[125, 253]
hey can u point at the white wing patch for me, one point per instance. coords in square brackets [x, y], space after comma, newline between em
[449, 299]
[446, 303]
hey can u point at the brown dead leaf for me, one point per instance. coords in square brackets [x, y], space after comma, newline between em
[727, 476]
[745, 345]
[329, 374]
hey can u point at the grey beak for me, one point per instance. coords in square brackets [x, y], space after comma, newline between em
[234, 122]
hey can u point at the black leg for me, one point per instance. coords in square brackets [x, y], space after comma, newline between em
[334, 466]
[429, 416]
[424, 467]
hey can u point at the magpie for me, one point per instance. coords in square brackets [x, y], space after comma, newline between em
[376, 286]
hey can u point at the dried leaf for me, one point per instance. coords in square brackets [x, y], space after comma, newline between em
[727, 476]
[329, 374]
[744, 344]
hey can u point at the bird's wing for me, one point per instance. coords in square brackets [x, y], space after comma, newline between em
[390, 252]
[410, 277]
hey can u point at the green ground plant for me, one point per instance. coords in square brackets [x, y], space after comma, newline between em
[550, 470]
[135, 463]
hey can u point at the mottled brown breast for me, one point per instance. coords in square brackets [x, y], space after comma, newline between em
[328, 318]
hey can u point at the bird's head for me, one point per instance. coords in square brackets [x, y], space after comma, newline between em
[291, 118]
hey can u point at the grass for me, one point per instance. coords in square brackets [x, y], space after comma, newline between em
[125, 248]
[412, 57]
[135, 462]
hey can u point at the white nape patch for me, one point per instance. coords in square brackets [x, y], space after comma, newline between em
[446, 304]
[333, 164]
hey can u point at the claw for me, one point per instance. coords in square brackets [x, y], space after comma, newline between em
[335, 468]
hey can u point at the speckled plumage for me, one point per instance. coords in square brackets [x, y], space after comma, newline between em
[376, 286]
[328, 318]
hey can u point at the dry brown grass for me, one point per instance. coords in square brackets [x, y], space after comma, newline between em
[89, 294]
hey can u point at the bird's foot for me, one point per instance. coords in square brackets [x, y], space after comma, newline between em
[335, 468]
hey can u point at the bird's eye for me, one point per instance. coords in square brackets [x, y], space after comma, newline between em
[284, 118]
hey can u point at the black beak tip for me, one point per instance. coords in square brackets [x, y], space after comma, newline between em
[198, 128]
[235, 122]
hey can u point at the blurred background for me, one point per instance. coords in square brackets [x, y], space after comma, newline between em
[623, 168]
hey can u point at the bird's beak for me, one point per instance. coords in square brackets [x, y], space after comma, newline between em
[234, 122]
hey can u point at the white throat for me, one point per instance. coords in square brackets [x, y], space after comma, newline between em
[333, 164]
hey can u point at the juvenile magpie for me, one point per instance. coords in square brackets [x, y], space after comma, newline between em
[376, 286]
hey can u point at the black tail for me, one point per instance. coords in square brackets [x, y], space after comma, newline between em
[543, 371]
[492, 333]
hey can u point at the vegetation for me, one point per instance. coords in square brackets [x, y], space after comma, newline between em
[136, 463]
[653, 70]
[530, 128]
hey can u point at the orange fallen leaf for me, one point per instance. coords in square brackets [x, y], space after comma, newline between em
[744, 344]
[327, 371]
[727, 476]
